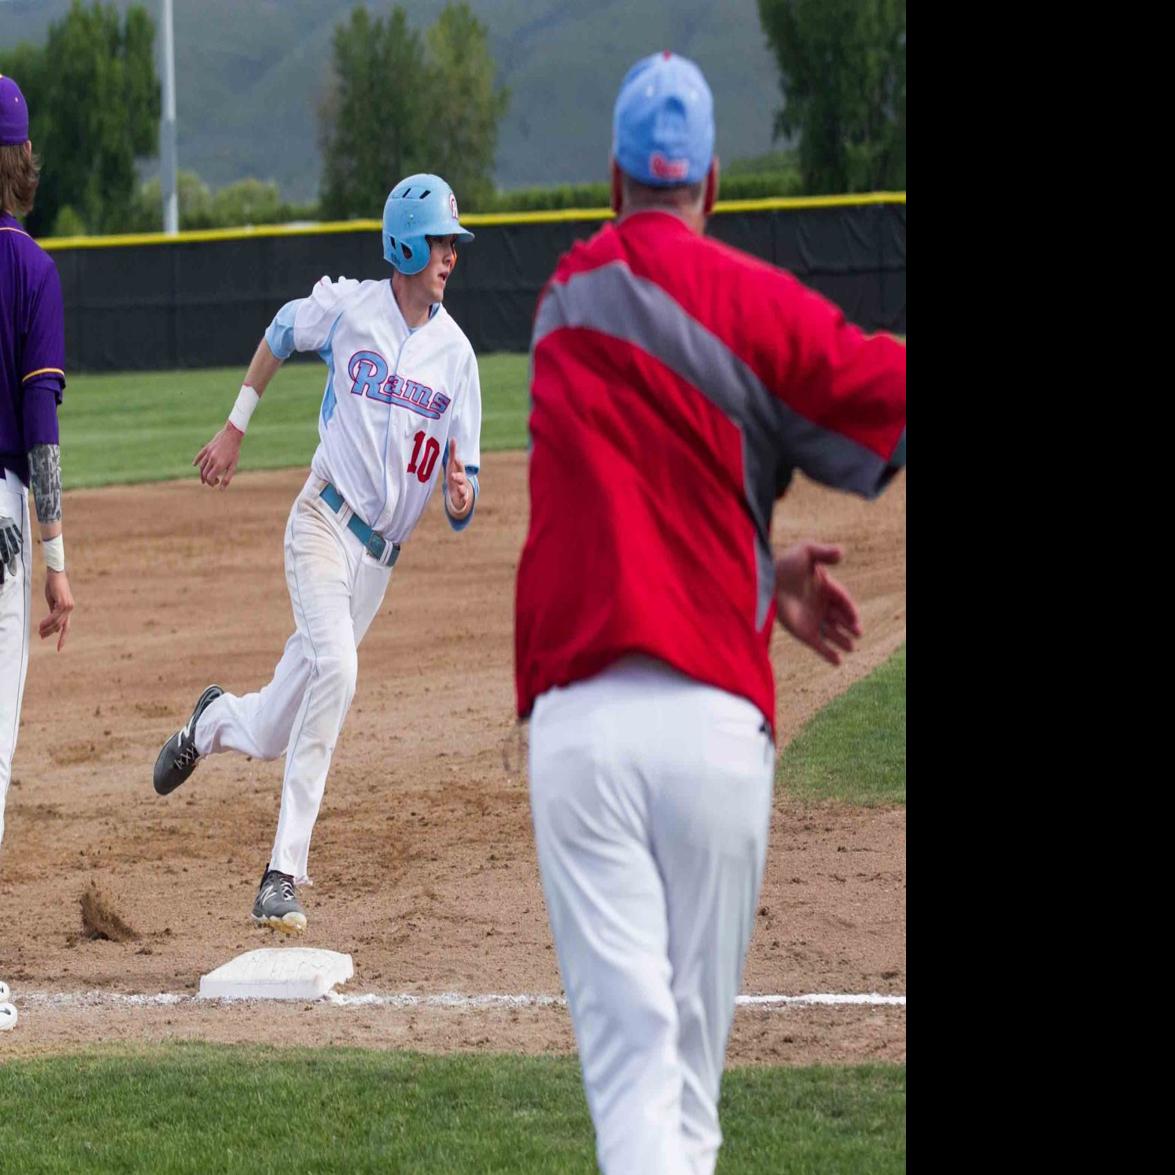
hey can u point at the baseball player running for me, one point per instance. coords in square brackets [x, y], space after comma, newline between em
[32, 378]
[676, 384]
[401, 412]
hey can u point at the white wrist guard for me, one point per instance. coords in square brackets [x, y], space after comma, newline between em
[247, 401]
[54, 553]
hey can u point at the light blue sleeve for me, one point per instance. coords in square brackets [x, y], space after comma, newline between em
[280, 333]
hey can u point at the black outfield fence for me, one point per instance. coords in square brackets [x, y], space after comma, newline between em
[203, 299]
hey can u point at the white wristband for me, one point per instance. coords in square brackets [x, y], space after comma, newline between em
[54, 553]
[247, 400]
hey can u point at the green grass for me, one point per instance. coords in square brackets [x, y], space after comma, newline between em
[200, 1108]
[854, 750]
[147, 426]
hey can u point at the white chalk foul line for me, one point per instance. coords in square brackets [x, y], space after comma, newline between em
[451, 999]
[776, 1001]
[96, 999]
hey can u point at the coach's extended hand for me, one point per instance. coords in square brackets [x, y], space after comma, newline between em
[813, 607]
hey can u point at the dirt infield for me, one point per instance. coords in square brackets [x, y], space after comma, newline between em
[423, 858]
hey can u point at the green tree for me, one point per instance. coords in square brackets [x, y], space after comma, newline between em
[843, 75]
[145, 214]
[373, 128]
[465, 108]
[399, 103]
[248, 201]
[67, 223]
[94, 99]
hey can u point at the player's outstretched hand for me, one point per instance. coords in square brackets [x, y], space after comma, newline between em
[60, 600]
[457, 485]
[218, 459]
[812, 606]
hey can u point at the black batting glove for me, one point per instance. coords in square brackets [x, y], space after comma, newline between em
[10, 545]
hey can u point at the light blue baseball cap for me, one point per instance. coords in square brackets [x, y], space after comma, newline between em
[663, 122]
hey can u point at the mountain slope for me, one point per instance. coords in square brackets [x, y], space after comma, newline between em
[251, 73]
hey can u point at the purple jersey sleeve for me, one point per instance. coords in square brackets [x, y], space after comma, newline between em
[43, 377]
[42, 394]
[32, 347]
[44, 343]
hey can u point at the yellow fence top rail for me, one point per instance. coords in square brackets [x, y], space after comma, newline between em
[474, 219]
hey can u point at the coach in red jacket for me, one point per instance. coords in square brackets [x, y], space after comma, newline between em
[676, 385]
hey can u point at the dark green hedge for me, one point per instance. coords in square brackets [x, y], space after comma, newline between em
[598, 195]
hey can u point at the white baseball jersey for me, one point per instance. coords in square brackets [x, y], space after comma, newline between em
[394, 397]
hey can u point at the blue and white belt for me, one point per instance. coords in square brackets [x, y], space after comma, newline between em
[377, 546]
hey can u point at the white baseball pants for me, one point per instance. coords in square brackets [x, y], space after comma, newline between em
[651, 797]
[335, 588]
[15, 604]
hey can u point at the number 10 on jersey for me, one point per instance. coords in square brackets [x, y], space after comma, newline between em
[423, 466]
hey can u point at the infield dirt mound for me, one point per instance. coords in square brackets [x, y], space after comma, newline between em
[423, 856]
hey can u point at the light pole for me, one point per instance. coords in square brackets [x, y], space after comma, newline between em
[167, 159]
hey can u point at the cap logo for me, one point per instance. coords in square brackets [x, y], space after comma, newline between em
[453, 205]
[668, 169]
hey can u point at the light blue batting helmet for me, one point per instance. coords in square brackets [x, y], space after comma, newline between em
[418, 207]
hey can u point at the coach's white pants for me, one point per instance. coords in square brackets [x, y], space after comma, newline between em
[335, 588]
[651, 797]
[15, 602]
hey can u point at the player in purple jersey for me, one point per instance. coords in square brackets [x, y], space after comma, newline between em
[32, 376]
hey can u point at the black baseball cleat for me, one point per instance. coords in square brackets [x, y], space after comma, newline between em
[177, 760]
